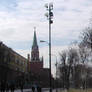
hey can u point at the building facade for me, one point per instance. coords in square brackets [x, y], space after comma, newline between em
[12, 65]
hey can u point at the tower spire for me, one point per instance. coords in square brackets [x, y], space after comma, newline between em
[35, 39]
[35, 49]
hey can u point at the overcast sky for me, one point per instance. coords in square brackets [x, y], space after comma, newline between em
[19, 17]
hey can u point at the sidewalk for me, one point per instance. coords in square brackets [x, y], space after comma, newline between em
[43, 90]
[30, 90]
[24, 90]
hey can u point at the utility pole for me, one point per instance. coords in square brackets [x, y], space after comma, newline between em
[49, 16]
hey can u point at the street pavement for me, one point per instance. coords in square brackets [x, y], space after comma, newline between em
[30, 90]
[43, 90]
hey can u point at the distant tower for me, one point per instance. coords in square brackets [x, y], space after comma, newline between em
[36, 63]
[35, 49]
[37, 70]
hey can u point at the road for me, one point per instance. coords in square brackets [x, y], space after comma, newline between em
[43, 90]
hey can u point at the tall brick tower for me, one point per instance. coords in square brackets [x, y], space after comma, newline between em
[36, 63]
[39, 74]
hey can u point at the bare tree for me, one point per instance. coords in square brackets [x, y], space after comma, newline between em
[87, 37]
[62, 68]
[84, 54]
[68, 60]
[86, 45]
[73, 60]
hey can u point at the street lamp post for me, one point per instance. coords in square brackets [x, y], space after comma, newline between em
[49, 16]
[56, 71]
[55, 63]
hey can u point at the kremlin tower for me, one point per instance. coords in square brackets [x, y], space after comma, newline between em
[36, 63]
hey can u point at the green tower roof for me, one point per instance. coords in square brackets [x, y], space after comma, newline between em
[35, 40]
